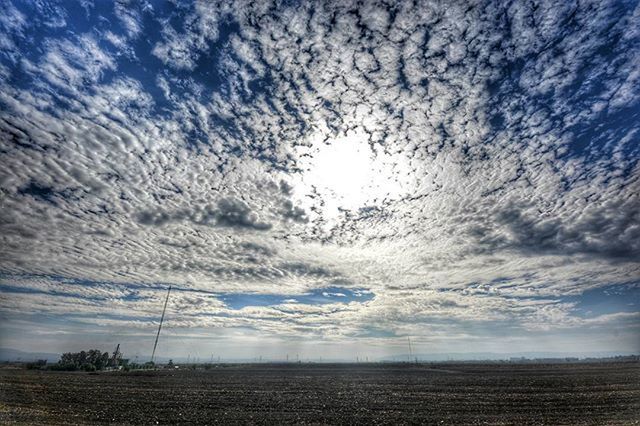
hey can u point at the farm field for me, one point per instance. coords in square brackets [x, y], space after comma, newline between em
[329, 394]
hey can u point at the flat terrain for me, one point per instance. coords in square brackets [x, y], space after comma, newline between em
[334, 394]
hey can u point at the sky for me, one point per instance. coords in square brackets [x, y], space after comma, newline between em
[320, 178]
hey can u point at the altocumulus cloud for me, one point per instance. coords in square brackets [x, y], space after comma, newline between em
[469, 169]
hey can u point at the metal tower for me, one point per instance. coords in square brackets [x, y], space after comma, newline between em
[155, 345]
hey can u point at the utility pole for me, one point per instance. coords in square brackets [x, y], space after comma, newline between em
[155, 345]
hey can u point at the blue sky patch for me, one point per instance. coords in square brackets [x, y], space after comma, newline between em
[319, 296]
[607, 300]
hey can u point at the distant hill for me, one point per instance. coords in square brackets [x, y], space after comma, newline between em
[8, 354]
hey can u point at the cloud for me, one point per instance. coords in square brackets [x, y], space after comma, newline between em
[465, 163]
[228, 213]
[609, 232]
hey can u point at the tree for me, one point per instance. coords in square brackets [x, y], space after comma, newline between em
[91, 360]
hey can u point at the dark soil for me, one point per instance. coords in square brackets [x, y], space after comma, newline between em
[334, 394]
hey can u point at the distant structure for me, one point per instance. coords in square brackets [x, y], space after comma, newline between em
[155, 345]
[410, 351]
[116, 358]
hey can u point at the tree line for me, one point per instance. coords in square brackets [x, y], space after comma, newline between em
[91, 360]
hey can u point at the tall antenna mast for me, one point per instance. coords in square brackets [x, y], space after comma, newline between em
[410, 351]
[155, 345]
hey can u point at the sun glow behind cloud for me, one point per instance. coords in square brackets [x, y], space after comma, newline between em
[347, 172]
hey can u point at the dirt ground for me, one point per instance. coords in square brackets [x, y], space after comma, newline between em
[329, 394]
